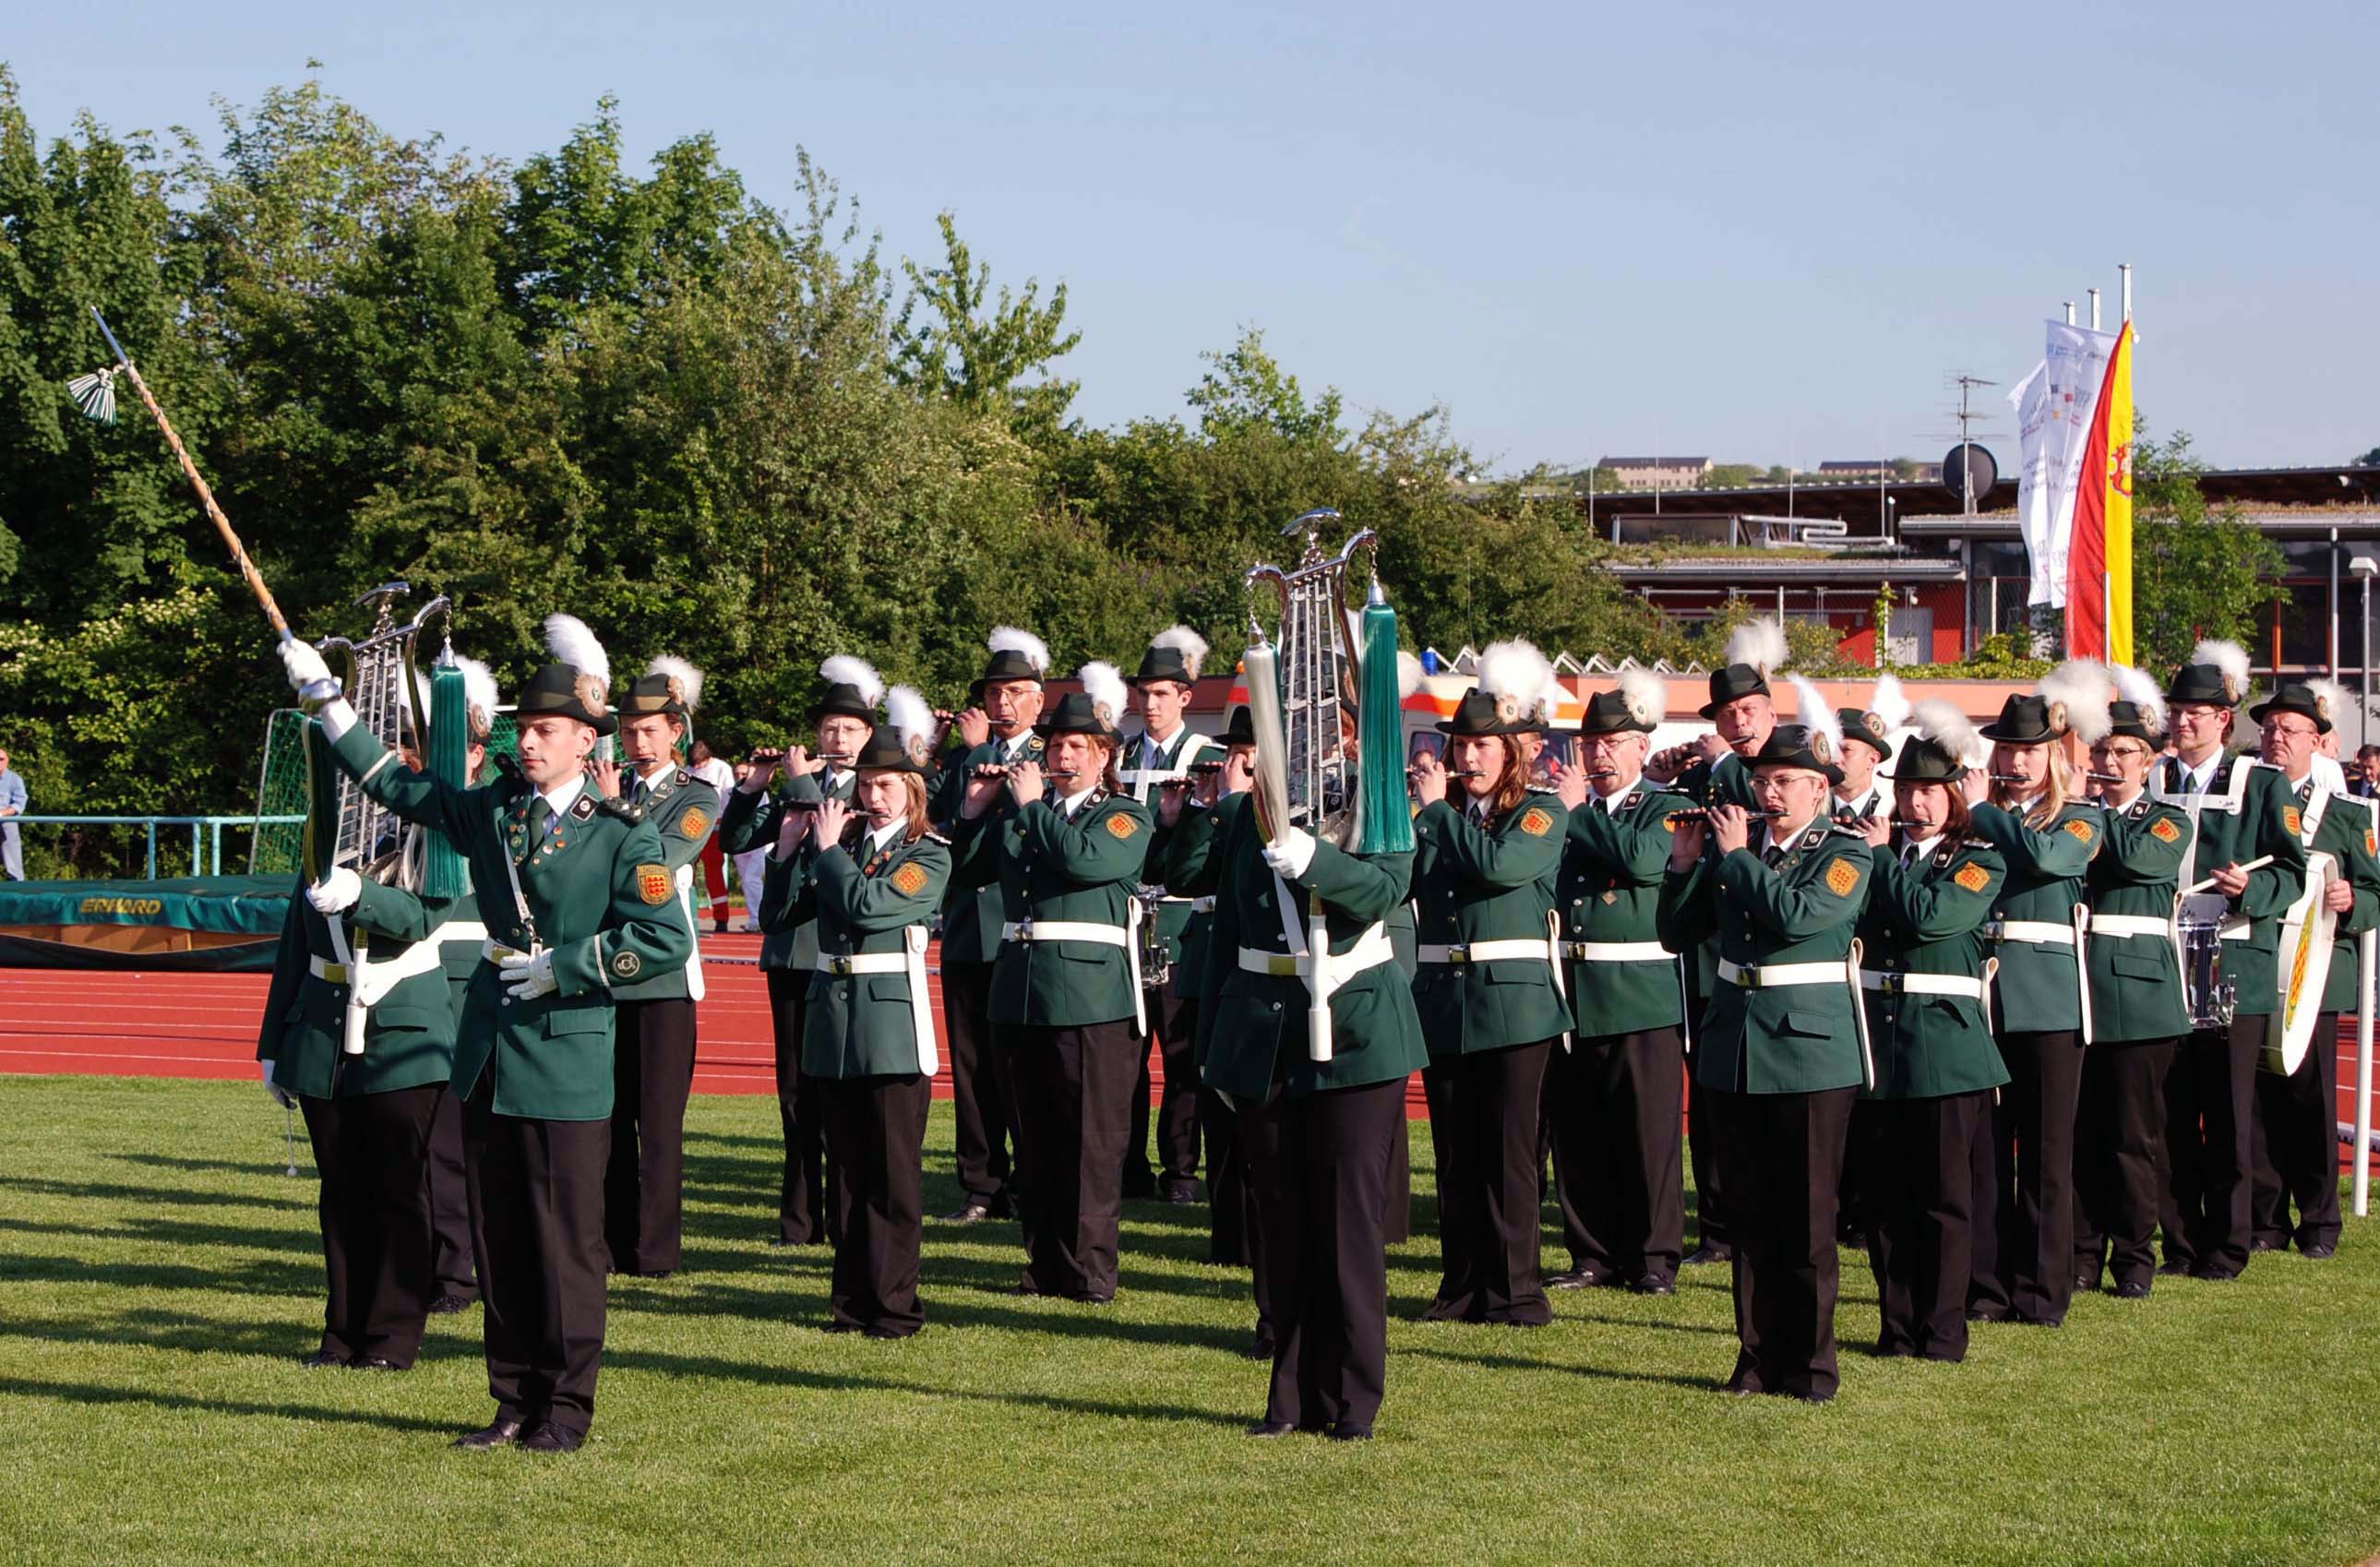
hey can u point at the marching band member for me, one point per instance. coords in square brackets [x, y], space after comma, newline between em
[1488, 995]
[1164, 750]
[2137, 1003]
[2293, 1135]
[2241, 813]
[643, 1187]
[588, 903]
[1867, 746]
[753, 817]
[1066, 988]
[1717, 771]
[1316, 1134]
[1615, 1096]
[1923, 971]
[872, 881]
[1782, 1053]
[457, 1275]
[995, 732]
[2024, 1169]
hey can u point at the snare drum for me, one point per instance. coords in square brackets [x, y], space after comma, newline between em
[2205, 992]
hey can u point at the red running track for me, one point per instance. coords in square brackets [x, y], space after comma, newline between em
[150, 1025]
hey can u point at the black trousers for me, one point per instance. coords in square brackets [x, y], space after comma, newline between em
[537, 1232]
[2293, 1148]
[2120, 1160]
[371, 1150]
[1619, 1163]
[802, 1215]
[985, 1130]
[1783, 1164]
[1396, 1216]
[1701, 1147]
[875, 1155]
[644, 1184]
[2209, 1100]
[1855, 1199]
[1919, 1207]
[1174, 1020]
[1228, 1192]
[451, 1270]
[2024, 1183]
[1321, 1166]
[1488, 1185]
[1073, 1093]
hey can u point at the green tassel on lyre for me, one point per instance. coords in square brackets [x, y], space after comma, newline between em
[443, 872]
[1387, 824]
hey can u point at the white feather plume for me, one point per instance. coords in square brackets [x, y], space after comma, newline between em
[1009, 640]
[1819, 716]
[2138, 687]
[844, 670]
[478, 692]
[2081, 686]
[911, 719]
[1644, 694]
[1943, 724]
[1888, 701]
[1760, 643]
[1192, 647]
[688, 678]
[1550, 697]
[2229, 656]
[569, 640]
[1409, 674]
[1103, 683]
[2336, 701]
[1514, 674]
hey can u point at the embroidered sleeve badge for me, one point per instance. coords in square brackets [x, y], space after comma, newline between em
[2163, 829]
[1122, 824]
[2292, 820]
[910, 879]
[694, 823]
[1973, 877]
[625, 964]
[1841, 876]
[653, 884]
[2081, 830]
[1537, 822]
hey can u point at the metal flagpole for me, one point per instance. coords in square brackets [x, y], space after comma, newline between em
[2364, 946]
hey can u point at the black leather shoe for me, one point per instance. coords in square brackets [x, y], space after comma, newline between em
[1976, 1316]
[2215, 1275]
[1651, 1285]
[2136, 1289]
[550, 1437]
[969, 1212]
[448, 1305]
[1183, 1196]
[1578, 1278]
[2319, 1252]
[503, 1431]
[322, 1360]
[1265, 1430]
[1350, 1433]
[1260, 1348]
[2086, 1284]
[376, 1363]
[1701, 1255]
[2261, 1244]
[2169, 1268]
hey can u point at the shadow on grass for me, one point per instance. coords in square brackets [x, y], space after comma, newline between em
[254, 1279]
[163, 1195]
[1494, 1362]
[86, 1395]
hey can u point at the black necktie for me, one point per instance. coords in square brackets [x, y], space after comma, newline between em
[540, 818]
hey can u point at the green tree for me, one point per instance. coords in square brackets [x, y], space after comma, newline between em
[978, 348]
[2195, 573]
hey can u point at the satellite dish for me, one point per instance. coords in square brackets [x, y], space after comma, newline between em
[1965, 461]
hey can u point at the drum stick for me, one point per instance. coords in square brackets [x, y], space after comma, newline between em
[2257, 864]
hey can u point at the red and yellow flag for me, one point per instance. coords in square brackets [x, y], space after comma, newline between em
[2099, 561]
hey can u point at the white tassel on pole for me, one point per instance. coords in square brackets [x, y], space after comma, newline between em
[2364, 967]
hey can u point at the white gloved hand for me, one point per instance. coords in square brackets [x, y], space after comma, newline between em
[309, 675]
[336, 892]
[1291, 854]
[281, 1096]
[532, 975]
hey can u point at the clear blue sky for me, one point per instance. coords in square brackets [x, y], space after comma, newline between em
[1762, 233]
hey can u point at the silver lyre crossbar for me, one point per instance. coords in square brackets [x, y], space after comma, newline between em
[383, 685]
[1314, 657]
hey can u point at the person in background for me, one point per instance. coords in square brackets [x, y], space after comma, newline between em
[752, 865]
[2363, 783]
[722, 780]
[12, 804]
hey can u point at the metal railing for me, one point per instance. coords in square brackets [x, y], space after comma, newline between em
[206, 834]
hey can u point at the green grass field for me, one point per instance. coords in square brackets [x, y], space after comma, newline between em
[159, 1280]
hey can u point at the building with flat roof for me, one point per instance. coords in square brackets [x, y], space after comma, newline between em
[1656, 473]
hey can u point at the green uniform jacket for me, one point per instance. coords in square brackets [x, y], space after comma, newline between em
[2263, 825]
[1260, 1030]
[1185, 857]
[972, 914]
[1929, 919]
[860, 1025]
[2136, 980]
[1051, 869]
[749, 820]
[2344, 832]
[1140, 768]
[1609, 891]
[683, 808]
[1491, 884]
[599, 894]
[408, 1036]
[1789, 1039]
[1727, 782]
[2040, 987]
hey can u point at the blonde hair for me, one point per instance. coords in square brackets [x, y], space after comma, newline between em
[2058, 786]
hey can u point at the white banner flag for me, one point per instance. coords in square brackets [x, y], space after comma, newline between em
[2055, 406]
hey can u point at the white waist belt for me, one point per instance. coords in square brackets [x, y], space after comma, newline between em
[2130, 924]
[1519, 949]
[1618, 951]
[1772, 976]
[863, 963]
[1893, 984]
[1203, 905]
[1371, 950]
[1066, 931]
[2031, 930]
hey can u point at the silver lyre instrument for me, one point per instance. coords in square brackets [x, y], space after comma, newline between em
[384, 686]
[1312, 696]
[2209, 997]
[1156, 958]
